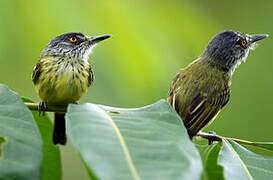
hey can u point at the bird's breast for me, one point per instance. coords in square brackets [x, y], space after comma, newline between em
[63, 81]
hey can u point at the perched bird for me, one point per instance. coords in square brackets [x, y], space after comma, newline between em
[63, 74]
[202, 89]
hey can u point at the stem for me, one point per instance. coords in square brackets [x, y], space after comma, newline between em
[49, 108]
[214, 137]
[240, 141]
[210, 137]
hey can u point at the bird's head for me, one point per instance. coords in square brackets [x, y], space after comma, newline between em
[72, 45]
[230, 48]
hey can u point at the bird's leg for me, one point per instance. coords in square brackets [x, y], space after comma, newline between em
[42, 107]
[211, 139]
[210, 136]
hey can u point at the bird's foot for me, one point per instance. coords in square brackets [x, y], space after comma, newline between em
[42, 107]
[210, 136]
[212, 139]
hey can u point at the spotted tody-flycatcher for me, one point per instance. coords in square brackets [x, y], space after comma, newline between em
[202, 89]
[63, 74]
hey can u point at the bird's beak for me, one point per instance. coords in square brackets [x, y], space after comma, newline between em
[96, 39]
[257, 37]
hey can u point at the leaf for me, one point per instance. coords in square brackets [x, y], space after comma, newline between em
[212, 169]
[142, 143]
[22, 150]
[209, 154]
[240, 163]
[2, 141]
[263, 145]
[51, 165]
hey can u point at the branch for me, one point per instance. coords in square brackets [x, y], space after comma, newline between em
[241, 141]
[210, 137]
[213, 137]
[49, 108]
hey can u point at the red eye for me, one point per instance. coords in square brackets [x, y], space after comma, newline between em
[243, 43]
[73, 39]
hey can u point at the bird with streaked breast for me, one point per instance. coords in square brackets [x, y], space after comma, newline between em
[63, 74]
[202, 89]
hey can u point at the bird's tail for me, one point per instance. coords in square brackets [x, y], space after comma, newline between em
[59, 136]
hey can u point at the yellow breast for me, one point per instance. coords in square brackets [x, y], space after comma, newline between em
[62, 81]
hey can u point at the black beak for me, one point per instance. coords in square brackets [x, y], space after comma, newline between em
[97, 39]
[257, 37]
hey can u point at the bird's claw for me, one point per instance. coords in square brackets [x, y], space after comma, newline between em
[42, 107]
[211, 139]
[210, 136]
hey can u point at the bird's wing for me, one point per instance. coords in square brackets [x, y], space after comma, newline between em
[174, 89]
[36, 72]
[90, 76]
[203, 109]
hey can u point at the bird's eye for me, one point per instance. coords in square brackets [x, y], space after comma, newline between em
[243, 43]
[73, 39]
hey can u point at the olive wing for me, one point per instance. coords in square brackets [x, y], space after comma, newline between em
[203, 109]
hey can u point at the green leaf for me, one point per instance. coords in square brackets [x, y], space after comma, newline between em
[2, 140]
[142, 143]
[51, 165]
[263, 145]
[21, 156]
[209, 154]
[240, 163]
[212, 169]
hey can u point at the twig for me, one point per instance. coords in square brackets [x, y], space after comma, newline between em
[49, 108]
[210, 137]
[214, 137]
[241, 141]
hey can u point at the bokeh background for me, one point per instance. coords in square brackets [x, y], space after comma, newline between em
[152, 40]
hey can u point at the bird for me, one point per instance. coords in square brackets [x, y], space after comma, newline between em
[200, 90]
[63, 74]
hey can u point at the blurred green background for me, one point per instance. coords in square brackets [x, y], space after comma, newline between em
[151, 41]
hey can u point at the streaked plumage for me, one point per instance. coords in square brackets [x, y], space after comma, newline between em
[63, 74]
[198, 93]
[61, 81]
[202, 89]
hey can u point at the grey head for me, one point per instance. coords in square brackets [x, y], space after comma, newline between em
[229, 48]
[72, 45]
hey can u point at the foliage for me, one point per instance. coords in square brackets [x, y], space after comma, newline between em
[151, 41]
[51, 165]
[117, 143]
[143, 143]
[21, 156]
[25, 141]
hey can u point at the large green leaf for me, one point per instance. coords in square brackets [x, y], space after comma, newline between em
[209, 154]
[21, 155]
[263, 145]
[2, 140]
[240, 163]
[51, 166]
[142, 143]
